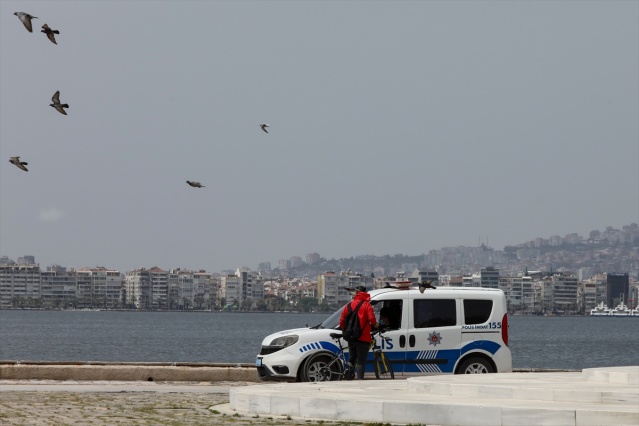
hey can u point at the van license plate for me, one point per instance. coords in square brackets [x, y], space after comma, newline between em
[258, 362]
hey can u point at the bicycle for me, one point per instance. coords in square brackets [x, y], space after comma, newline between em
[323, 367]
[381, 364]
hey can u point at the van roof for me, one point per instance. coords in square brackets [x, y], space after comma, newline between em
[439, 290]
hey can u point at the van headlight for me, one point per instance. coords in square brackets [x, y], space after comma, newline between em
[285, 341]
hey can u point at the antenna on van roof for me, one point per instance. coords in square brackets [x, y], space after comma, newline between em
[424, 285]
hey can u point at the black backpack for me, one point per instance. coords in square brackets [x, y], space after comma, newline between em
[352, 329]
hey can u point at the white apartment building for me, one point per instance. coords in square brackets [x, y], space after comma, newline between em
[181, 289]
[98, 288]
[230, 291]
[252, 286]
[473, 280]
[205, 288]
[58, 288]
[586, 295]
[19, 284]
[137, 288]
[519, 291]
[159, 288]
[563, 293]
[175, 289]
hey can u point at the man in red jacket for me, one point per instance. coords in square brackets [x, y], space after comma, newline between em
[358, 350]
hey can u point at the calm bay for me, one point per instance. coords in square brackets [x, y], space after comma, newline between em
[228, 337]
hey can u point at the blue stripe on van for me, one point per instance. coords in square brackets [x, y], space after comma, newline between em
[431, 361]
[484, 345]
[329, 346]
[319, 345]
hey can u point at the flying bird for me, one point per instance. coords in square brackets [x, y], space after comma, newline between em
[25, 18]
[426, 284]
[195, 184]
[50, 33]
[264, 126]
[57, 105]
[18, 163]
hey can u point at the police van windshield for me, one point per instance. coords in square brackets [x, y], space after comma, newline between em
[333, 320]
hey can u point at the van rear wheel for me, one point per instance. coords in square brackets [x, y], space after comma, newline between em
[475, 365]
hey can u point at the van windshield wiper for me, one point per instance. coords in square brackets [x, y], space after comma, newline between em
[317, 326]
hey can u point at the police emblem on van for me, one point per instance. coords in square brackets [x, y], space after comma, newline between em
[434, 338]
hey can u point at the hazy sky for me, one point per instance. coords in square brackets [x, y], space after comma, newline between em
[396, 127]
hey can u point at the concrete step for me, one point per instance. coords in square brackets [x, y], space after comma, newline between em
[616, 375]
[592, 386]
[572, 399]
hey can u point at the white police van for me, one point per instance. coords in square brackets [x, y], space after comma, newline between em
[457, 330]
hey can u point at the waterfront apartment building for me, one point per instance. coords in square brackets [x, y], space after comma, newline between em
[251, 286]
[205, 290]
[19, 285]
[563, 293]
[58, 288]
[98, 288]
[180, 286]
[159, 288]
[137, 289]
[176, 289]
[230, 291]
[519, 291]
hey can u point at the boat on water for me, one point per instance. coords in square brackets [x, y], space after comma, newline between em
[621, 310]
[601, 310]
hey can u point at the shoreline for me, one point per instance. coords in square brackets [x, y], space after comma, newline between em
[149, 371]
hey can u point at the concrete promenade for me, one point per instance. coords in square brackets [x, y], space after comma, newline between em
[592, 397]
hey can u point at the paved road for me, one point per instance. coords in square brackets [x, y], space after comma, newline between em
[126, 403]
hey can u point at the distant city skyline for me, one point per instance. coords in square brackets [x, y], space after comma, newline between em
[633, 229]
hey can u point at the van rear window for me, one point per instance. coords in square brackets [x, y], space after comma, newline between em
[477, 311]
[434, 313]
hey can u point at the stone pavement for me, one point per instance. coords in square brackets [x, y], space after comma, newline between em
[102, 403]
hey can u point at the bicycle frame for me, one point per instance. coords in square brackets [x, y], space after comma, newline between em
[337, 366]
[381, 364]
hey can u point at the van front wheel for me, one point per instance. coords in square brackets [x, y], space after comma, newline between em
[321, 367]
[475, 365]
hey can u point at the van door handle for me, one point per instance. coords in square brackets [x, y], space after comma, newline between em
[402, 341]
[411, 341]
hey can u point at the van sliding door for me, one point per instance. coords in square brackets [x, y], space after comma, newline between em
[434, 337]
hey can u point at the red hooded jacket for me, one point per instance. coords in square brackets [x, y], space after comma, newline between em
[366, 315]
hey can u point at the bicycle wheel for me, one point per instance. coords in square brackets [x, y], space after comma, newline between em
[322, 367]
[382, 366]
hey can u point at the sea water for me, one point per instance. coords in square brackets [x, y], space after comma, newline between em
[228, 337]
